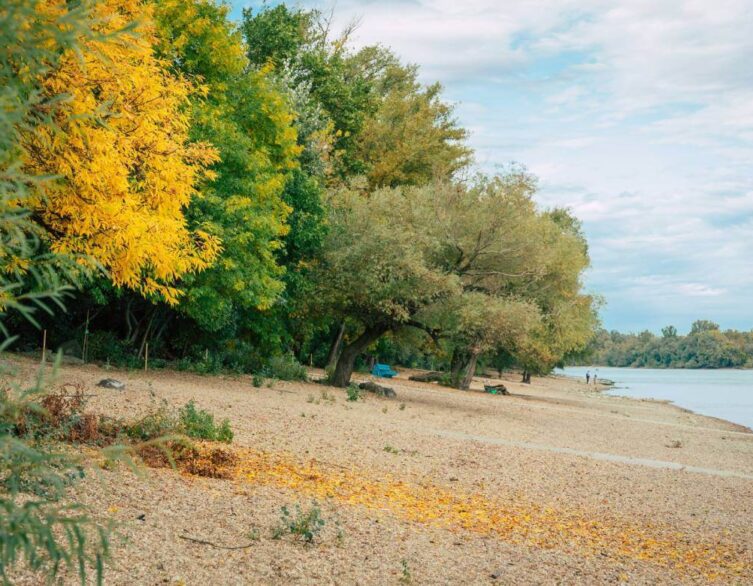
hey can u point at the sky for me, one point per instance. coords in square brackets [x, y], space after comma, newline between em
[637, 115]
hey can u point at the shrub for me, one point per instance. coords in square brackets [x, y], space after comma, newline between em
[304, 525]
[34, 525]
[257, 380]
[157, 423]
[447, 380]
[108, 347]
[354, 393]
[207, 364]
[285, 367]
[189, 420]
[199, 424]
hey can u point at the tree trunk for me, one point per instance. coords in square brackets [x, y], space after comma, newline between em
[334, 349]
[457, 363]
[526, 377]
[347, 360]
[470, 370]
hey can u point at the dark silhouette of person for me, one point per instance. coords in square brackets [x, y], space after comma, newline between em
[588, 376]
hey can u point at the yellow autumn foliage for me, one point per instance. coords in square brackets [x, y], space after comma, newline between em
[122, 165]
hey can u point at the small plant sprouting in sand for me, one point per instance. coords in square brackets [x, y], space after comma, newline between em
[406, 577]
[384, 409]
[310, 398]
[354, 393]
[304, 525]
[327, 396]
[257, 380]
[391, 449]
[340, 535]
[402, 406]
[674, 444]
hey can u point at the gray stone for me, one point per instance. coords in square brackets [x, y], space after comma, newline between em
[111, 383]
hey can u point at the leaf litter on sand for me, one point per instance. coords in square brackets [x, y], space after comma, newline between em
[574, 531]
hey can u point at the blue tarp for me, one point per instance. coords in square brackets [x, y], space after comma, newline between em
[383, 370]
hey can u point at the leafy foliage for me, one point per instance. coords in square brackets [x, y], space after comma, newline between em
[199, 424]
[285, 367]
[706, 346]
[302, 524]
[164, 421]
[353, 392]
[123, 165]
[38, 525]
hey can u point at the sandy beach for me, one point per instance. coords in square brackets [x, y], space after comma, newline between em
[555, 484]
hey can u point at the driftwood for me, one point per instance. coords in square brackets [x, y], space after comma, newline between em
[378, 389]
[427, 377]
[205, 542]
[496, 389]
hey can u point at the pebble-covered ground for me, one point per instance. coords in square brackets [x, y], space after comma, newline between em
[554, 484]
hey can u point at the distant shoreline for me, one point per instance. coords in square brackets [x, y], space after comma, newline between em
[592, 365]
[642, 395]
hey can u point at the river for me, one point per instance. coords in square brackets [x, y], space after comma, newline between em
[727, 394]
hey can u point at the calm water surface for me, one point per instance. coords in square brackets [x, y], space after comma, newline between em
[727, 394]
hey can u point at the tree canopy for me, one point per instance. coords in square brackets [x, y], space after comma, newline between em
[705, 346]
[241, 190]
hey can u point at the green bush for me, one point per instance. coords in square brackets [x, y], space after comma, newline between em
[305, 525]
[36, 525]
[285, 367]
[158, 422]
[354, 393]
[107, 347]
[446, 380]
[199, 424]
[208, 364]
[188, 420]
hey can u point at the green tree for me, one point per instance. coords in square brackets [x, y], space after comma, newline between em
[412, 137]
[703, 325]
[37, 527]
[378, 269]
[669, 332]
[249, 119]
[299, 42]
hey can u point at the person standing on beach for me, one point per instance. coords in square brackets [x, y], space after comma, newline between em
[588, 376]
[596, 374]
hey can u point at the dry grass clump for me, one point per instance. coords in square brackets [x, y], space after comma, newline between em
[160, 438]
[199, 459]
[60, 415]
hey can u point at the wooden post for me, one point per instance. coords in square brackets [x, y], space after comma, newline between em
[85, 349]
[44, 345]
[146, 357]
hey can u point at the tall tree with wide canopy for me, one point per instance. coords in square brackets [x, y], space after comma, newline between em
[378, 269]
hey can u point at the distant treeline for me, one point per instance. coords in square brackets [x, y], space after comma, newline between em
[706, 346]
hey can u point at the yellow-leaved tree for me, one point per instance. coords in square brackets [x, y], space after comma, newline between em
[121, 165]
